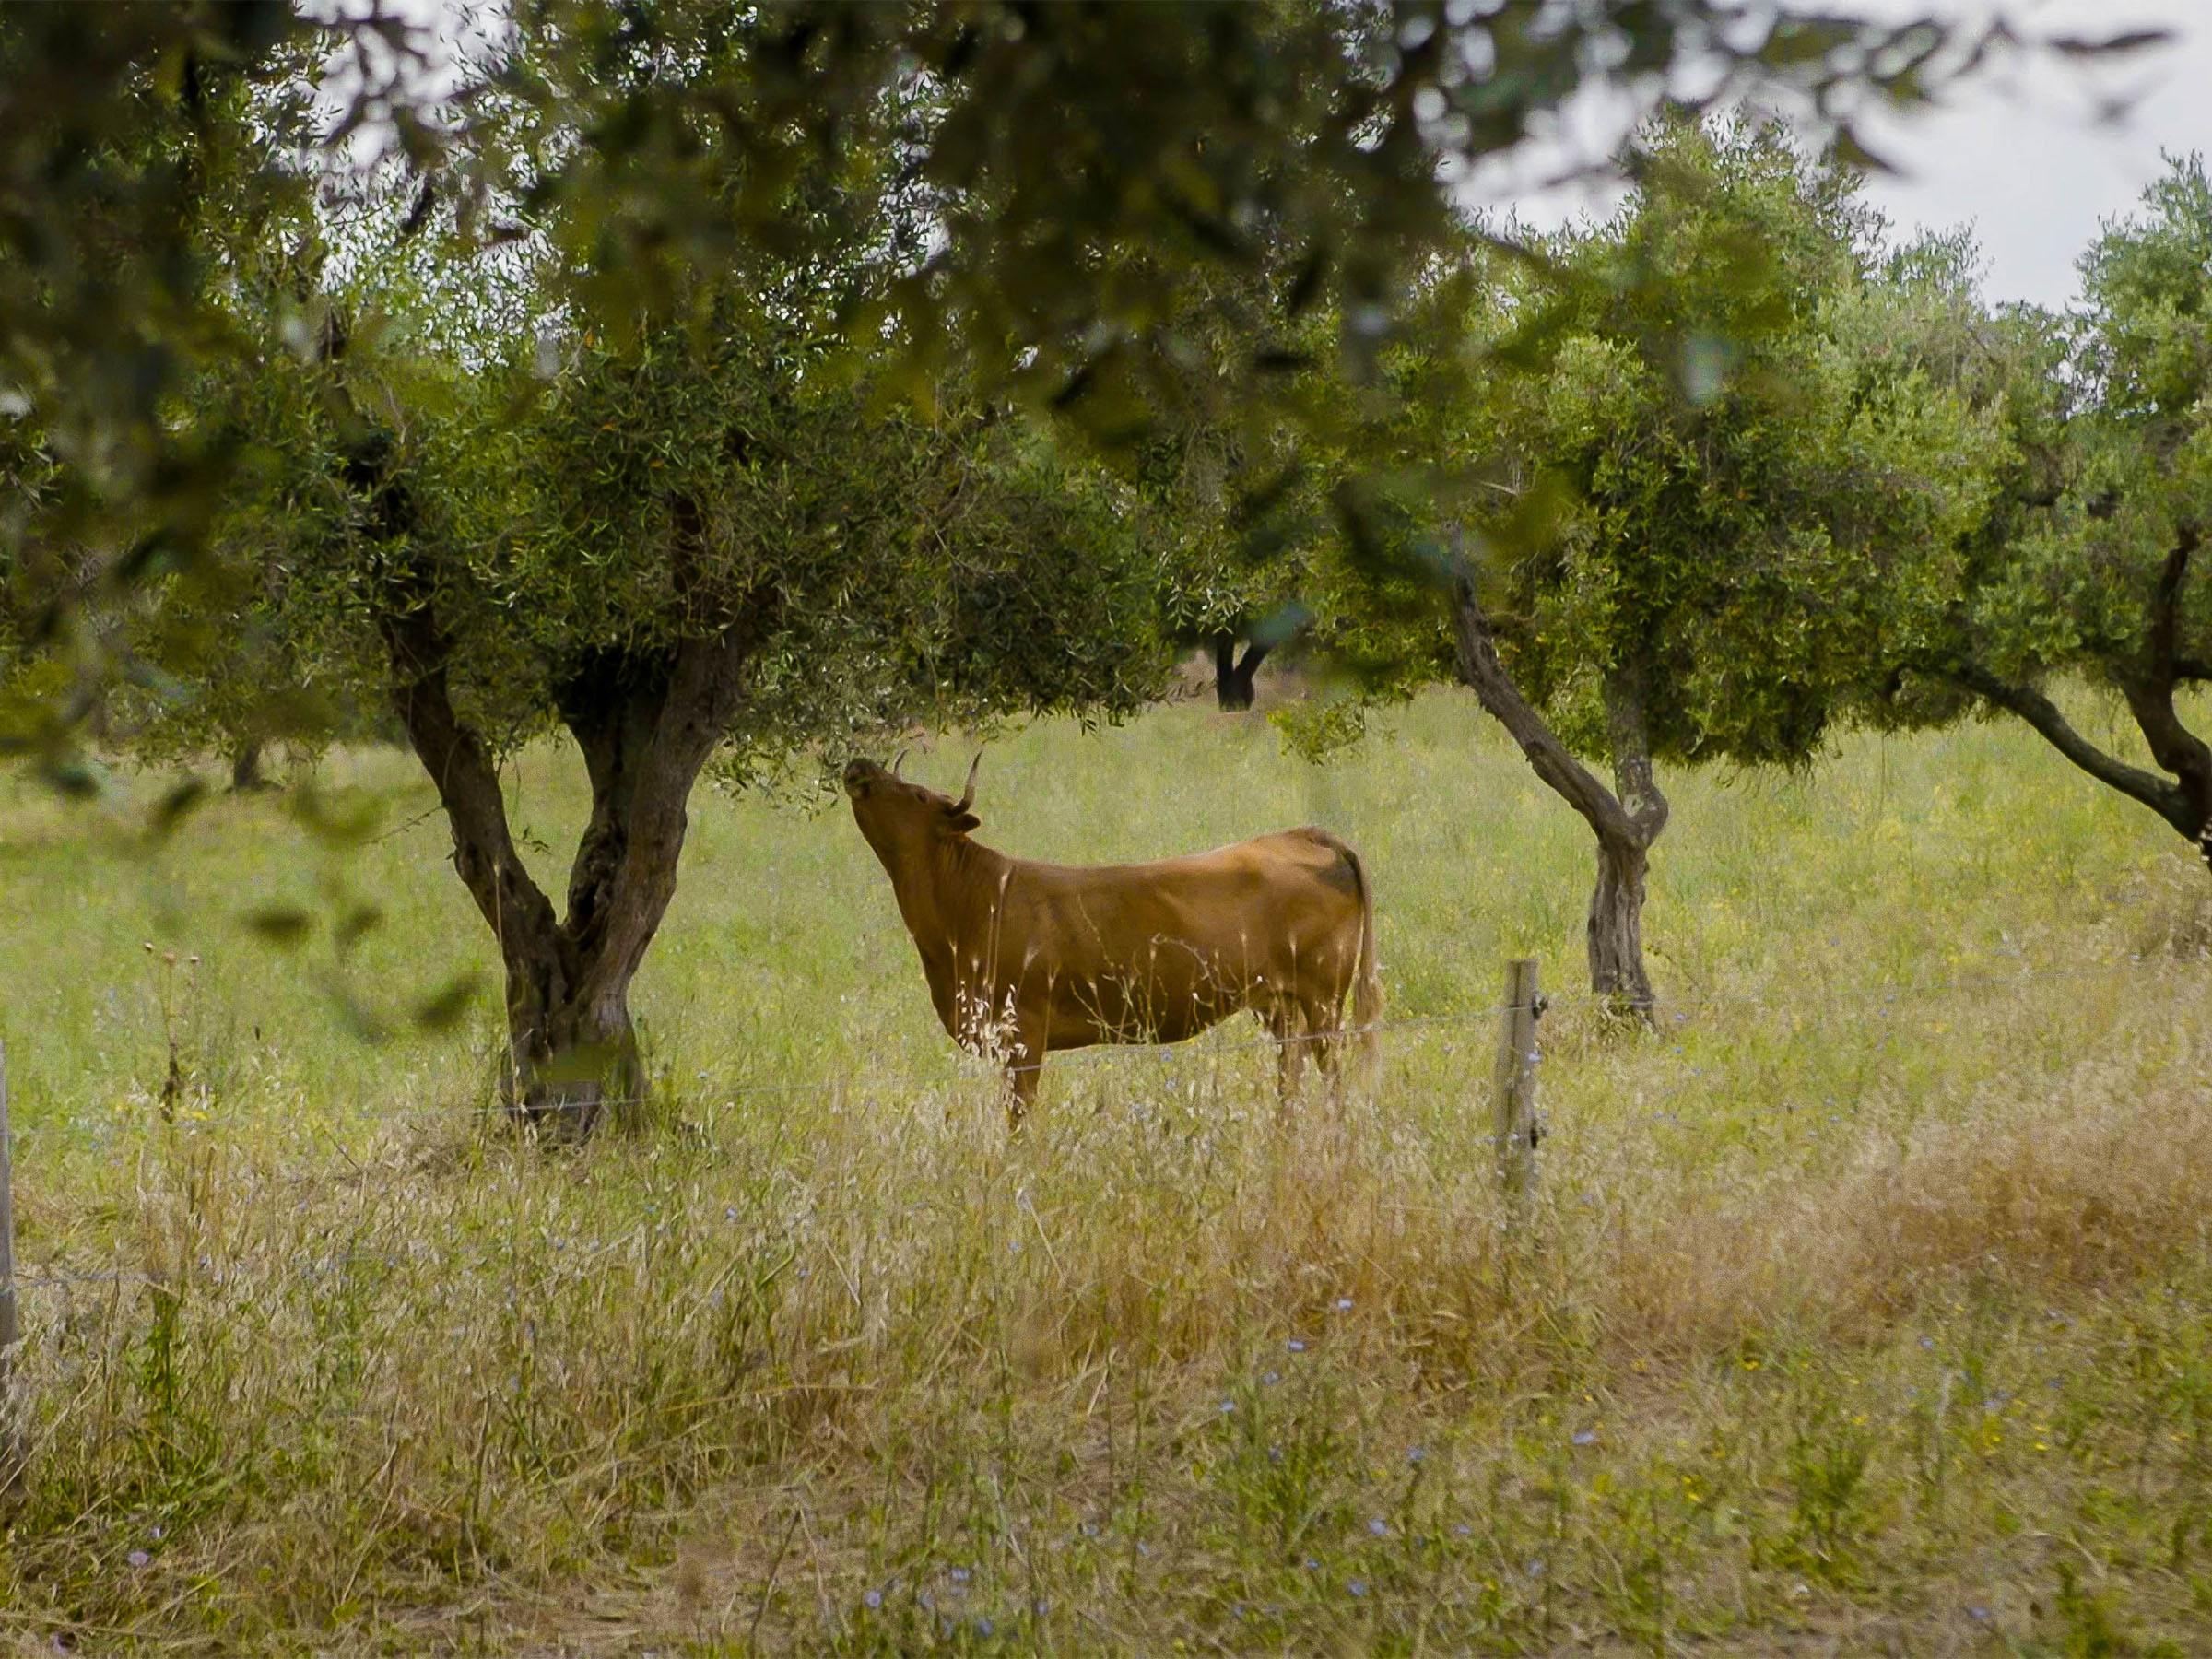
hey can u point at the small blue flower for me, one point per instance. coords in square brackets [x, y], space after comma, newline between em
[1343, 1304]
[139, 1557]
[983, 1627]
[1041, 1606]
[1236, 1609]
[1980, 1615]
[1272, 1377]
[1357, 1586]
[872, 1600]
[959, 1575]
[1417, 1456]
[1585, 1437]
[1143, 1548]
[1535, 1570]
[1228, 1406]
[1928, 1343]
[1297, 1346]
[1378, 1527]
[1313, 1565]
[1463, 1530]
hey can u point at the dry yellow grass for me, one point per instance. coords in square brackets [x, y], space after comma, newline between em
[1861, 1306]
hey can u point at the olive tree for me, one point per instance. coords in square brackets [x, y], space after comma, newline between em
[2087, 560]
[1687, 487]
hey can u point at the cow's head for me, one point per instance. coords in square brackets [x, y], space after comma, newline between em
[899, 816]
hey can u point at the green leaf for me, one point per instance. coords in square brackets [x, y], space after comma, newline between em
[175, 806]
[283, 925]
[444, 1008]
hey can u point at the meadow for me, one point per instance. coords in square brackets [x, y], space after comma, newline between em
[1860, 1307]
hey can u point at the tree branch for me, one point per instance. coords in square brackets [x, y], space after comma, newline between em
[2160, 794]
[1625, 691]
[1481, 669]
[704, 686]
[519, 913]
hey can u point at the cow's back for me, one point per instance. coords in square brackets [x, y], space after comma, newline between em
[1175, 944]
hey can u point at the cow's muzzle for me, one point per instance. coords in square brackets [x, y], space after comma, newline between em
[860, 774]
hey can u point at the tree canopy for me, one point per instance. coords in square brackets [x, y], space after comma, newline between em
[144, 148]
[2086, 560]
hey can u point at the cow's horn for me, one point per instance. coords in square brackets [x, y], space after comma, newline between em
[968, 796]
[897, 761]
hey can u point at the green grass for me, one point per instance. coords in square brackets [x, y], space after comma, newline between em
[1860, 1307]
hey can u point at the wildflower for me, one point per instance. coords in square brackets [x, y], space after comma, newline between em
[1585, 1437]
[1236, 1609]
[1272, 1377]
[872, 1600]
[1979, 1615]
[1313, 1565]
[1378, 1527]
[1041, 1606]
[1535, 1570]
[1463, 1530]
[1297, 1346]
[983, 1627]
[139, 1557]
[1343, 1304]
[1357, 1586]
[960, 1575]
[1415, 1456]
[1928, 1343]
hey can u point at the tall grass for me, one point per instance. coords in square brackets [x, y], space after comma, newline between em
[1860, 1304]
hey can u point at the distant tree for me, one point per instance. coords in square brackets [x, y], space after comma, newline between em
[2087, 560]
[1685, 483]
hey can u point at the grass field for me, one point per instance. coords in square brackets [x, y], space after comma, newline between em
[1862, 1307]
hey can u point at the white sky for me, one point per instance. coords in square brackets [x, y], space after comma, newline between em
[2035, 151]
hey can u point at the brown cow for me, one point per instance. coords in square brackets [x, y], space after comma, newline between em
[1024, 959]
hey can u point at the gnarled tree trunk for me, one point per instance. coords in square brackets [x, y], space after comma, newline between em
[1625, 825]
[1616, 970]
[245, 767]
[1232, 675]
[646, 721]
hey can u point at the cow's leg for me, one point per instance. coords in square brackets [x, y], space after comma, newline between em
[1325, 1036]
[1025, 1067]
[1289, 1055]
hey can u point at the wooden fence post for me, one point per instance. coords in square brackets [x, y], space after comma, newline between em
[11, 1423]
[1516, 1132]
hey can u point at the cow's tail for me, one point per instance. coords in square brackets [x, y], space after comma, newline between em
[1367, 988]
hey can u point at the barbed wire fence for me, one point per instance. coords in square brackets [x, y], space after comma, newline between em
[1518, 1125]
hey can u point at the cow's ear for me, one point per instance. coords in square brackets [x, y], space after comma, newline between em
[963, 821]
